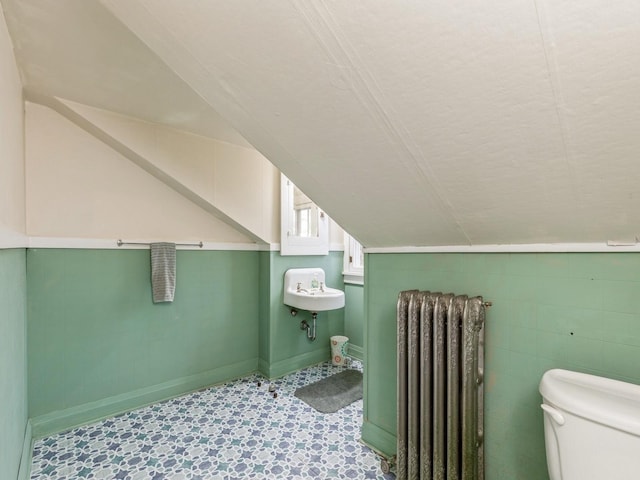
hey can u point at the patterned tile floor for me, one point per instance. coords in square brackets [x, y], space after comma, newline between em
[232, 431]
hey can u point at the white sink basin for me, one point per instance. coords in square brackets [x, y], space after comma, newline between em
[300, 291]
[315, 301]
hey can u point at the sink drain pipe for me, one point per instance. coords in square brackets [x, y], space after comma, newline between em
[311, 329]
[304, 325]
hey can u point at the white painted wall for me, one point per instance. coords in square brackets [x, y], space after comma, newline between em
[99, 194]
[239, 181]
[12, 205]
[80, 188]
[336, 235]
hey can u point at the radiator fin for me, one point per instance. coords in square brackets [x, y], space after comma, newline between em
[440, 388]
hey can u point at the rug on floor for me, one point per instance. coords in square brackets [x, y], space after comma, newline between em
[333, 393]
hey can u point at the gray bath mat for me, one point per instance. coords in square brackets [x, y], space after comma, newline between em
[332, 393]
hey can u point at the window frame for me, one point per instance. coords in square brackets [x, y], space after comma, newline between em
[353, 263]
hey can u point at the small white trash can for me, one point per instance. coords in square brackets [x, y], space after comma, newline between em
[339, 344]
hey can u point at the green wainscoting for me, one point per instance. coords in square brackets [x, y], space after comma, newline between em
[99, 346]
[577, 311]
[285, 347]
[265, 312]
[15, 437]
[354, 319]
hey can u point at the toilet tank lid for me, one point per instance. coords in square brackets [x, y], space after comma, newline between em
[603, 400]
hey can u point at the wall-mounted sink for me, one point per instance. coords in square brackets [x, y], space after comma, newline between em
[304, 289]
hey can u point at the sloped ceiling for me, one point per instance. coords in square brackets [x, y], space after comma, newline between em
[410, 123]
[75, 49]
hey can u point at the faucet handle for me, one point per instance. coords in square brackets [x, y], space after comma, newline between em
[299, 286]
[322, 286]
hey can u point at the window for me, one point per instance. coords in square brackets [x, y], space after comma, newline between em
[304, 227]
[353, 260]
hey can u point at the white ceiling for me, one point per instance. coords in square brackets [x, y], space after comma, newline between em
[75, 49]
[411, 123]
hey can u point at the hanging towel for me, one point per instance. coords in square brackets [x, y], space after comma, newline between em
[163, 271]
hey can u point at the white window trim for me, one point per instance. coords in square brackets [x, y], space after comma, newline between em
[295, 245]
[353, 274]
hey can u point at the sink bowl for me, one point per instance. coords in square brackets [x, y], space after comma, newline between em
[315, 301]
[300, 291]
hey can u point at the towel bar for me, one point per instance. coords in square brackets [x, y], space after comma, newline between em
[199, 244]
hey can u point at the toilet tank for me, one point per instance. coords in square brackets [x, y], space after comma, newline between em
[591, 426]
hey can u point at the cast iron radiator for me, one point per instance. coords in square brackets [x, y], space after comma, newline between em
[440, 386]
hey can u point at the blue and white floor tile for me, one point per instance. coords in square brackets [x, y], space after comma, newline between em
[232, 431]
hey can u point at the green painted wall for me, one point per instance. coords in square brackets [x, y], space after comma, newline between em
[264, 330]
[354, 319]
[13, 360]
[98, 345]
[576, 311]
[286, 347]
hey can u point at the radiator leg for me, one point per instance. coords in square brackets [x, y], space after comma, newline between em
[386, 464]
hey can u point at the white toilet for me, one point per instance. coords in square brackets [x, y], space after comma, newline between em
[591, 427]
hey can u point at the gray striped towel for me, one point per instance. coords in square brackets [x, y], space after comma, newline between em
[163, 271]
